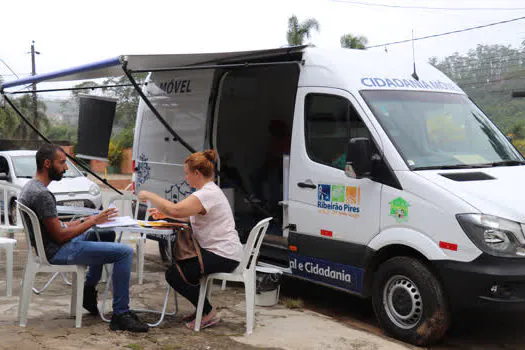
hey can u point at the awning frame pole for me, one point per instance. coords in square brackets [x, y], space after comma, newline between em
[48, 141]
[214, 66]
[154, 110]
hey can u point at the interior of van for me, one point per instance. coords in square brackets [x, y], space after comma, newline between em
[252, 129]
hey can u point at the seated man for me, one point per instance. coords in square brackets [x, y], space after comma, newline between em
[74, 243]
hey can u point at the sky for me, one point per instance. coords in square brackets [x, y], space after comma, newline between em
[71, 33]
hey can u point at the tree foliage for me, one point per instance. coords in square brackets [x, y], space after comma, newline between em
[349, 41]
[297, 32]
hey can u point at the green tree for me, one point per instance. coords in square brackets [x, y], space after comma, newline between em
[298, 31]
[128, 99]
[349, 41]
[25, 105]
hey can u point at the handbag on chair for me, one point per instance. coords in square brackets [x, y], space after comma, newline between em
[186, 247]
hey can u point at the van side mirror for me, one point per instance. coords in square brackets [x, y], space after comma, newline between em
[359, 158]
[85, 173]
[4, 177]
[509, 137]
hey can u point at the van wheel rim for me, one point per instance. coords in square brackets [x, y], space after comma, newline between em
[402, 302]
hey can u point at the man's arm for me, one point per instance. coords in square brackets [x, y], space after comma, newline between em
[62, 233]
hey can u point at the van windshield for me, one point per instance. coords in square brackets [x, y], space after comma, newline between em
[25, 167]
[433, 130]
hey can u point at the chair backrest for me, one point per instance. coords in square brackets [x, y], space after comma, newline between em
[124, 204]
[7, 192]
[33, 233]
[253, 244]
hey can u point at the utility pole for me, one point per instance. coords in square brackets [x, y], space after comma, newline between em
[33, 72]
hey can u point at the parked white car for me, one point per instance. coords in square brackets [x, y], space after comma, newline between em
[75, 189]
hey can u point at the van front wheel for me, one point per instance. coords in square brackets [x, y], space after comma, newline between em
[409, 302]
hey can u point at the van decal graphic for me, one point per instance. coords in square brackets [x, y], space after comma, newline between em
[399, 209]
[178, 192]
[143, 169]
[408, 83]
[339, 199]
[176, 86]
[335, 274]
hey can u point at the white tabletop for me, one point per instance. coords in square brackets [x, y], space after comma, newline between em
[153, 231]
[67, 210]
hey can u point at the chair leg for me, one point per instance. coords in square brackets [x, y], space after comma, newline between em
[140, 260]
[26, 291]
[249, 285]
[77, 295]
[9, 269]
[200, 305]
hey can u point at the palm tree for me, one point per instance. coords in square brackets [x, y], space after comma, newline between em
[298, 31]
[349, 41]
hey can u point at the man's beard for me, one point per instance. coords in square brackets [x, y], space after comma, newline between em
[55, 175]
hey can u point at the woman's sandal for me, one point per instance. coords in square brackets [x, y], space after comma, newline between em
[209, 323]
[190, 317]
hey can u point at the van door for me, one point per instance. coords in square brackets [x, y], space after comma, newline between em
[334, 215]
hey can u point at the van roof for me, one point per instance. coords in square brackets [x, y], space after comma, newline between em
[340, 68]
[355, 70]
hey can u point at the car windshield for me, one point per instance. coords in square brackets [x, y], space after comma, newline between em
[25, 167]
[433, 130]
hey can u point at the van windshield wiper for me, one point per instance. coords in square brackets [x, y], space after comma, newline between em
[454, 166]
[507, 163]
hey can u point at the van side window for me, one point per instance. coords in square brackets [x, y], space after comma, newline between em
[330, 122]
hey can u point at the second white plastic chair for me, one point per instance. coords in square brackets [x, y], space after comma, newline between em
[124, 203]
[245, 273]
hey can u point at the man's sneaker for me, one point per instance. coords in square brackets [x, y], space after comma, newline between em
[127, 321]
[90, 300]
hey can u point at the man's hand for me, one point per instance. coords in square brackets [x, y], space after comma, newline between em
[105, 216]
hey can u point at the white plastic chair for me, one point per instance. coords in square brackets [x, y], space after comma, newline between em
[7, 228]
[124, 204]
[8, 244]
[245, 273]
[38, 263]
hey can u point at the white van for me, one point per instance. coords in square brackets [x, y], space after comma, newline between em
[394, 188]
[383, 181]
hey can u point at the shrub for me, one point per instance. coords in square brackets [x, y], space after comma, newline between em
[115, 154]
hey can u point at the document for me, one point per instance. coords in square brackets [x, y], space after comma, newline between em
[119, 221]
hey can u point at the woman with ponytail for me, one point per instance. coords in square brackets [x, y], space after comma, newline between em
[211, 218]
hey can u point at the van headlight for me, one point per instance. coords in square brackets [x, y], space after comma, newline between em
[494, 235]
[94, 190]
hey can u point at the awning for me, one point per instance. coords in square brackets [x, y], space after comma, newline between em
[113, 67]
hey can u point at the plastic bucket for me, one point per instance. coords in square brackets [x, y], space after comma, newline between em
[267, 286]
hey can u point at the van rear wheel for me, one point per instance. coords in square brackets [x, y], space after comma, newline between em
[409, 302]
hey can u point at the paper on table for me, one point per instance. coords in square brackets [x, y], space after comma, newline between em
[119, 221]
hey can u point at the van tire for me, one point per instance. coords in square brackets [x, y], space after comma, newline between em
[409, 302]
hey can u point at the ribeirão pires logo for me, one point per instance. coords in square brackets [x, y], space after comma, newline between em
[339, 199]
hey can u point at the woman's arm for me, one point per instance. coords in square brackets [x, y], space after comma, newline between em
[158, 215]
[189, 206]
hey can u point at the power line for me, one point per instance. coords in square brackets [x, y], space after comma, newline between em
[432, 8]
[447, 33]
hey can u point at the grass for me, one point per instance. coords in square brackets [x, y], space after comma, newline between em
[292, 303]
[134, 346]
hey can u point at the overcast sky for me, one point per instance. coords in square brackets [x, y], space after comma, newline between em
[70, 33]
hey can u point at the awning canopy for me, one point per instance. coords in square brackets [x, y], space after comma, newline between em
[113, 67]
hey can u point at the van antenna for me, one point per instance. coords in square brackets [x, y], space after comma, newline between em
[414, 74]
